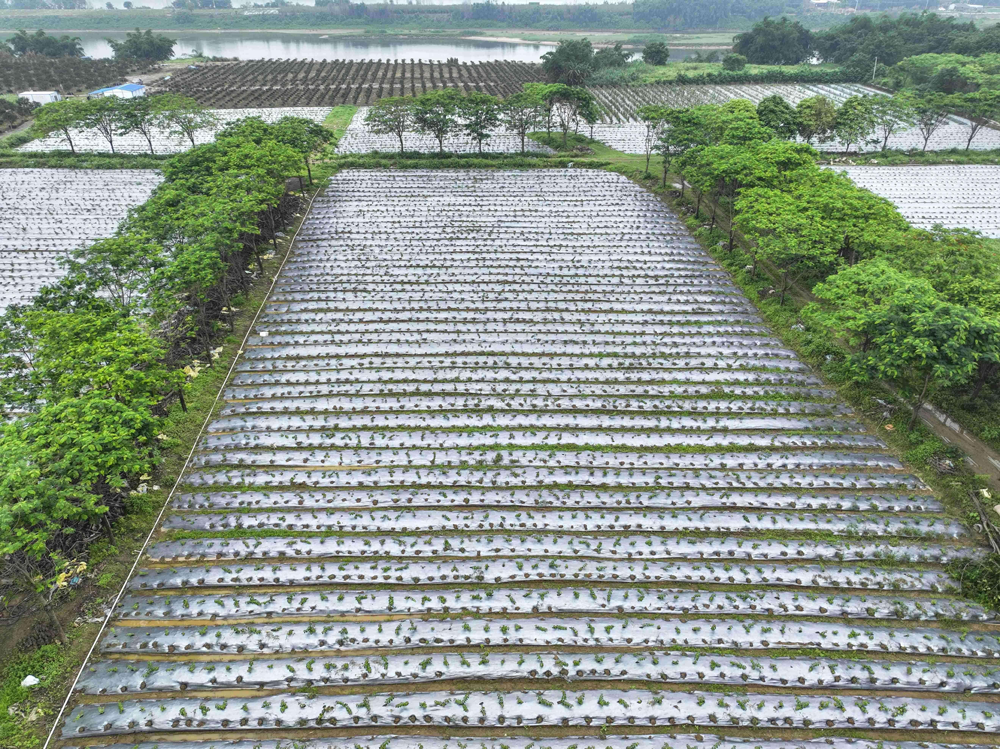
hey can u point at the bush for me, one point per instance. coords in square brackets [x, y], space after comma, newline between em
[656, 53]
[734, 62]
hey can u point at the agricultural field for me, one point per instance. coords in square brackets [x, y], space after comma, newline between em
[50, 212]
[310, 83]
[957, 197]
[621, 129]
[67, 75]
[507, 456]
[91, 141]
[358, 138]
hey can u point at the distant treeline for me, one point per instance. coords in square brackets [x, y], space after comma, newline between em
[651, 15]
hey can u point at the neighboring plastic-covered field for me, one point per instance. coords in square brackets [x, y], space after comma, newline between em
[620, 128]
[510, 462]
[91, 141]
[322, 83]
[358, 138]
[957, 197]
[47, 213]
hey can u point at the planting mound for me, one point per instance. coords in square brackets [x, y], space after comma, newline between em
[957, 197]
[312, 83]
[48, 213]
[507, 457]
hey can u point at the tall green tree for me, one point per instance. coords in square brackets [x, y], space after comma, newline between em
[184, 116]
[104, 114]
[856, 122]
[891, 114]
[776, 113]
[817, 118]
[656, 53]
[60, 117]
[521, 113]
[774, 42]
[480, 115]
[980, 108]
[391, 116]
[571, 62]
[143, 45]
[436, 113]
[930, 114]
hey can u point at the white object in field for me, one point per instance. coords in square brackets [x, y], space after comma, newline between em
[125, 91]
[30, 681]
[40, 97]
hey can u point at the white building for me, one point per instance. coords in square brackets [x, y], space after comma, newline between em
[40, 97]
[125, 91]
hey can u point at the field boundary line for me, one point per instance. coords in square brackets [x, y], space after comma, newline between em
[180, 475]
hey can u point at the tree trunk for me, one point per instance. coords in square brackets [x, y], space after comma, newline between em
[985, 372]
[180, 397]
[697, 206]
[522, 143]
[926, 138]
[72, 148]
[401, 152]
[54, 620]
[920, 402]
[972, 134]
[309, 171]
[784, 288]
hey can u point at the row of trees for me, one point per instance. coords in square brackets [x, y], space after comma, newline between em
[114, 117]
[575, 61]
[91, 368]
[863, 40]
[918, 308]
[859, 121]
[447, 111]
[137, 45]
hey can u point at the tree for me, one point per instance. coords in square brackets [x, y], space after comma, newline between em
[303, 136]
[60, 116]
[570, 104]
[900, 326]
[655, 119]
[391, 116]
[817, 117]
[521, 113]
[140, 115]
[103, 115]
[143, 45]
[930, 113]
[981, 108]
[770, 42]
[734, 62]
[40, 43]
[436, 113]
[776, 113]
[656, 53]
[785, 234]
[183, 115]
[611, 57]
[570, 63]
[480, 115]
[890, 113]
[855, 122]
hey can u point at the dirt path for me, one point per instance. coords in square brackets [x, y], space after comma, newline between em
[983, 458]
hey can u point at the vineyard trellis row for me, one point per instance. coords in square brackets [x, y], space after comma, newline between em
[311, 83]
[508, 455]
[67, 75]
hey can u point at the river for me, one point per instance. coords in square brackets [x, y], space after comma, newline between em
[278, 45]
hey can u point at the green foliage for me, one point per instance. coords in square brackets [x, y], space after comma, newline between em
[522, 113]
[979, 579]
[656, 53]
[391, 116]
[946, 73]
[816, 117]
[570, 63]
[436, 113]
[40, 43]
[59, 116]
[776, 113]
[855, 122]
[90, 365]
[774, 42]
[143, 45]
[734, 62]
[480, 115]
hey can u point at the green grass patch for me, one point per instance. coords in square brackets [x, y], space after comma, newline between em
[338, 120]
[916, 158]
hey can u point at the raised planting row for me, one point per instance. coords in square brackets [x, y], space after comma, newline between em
[68, 75]
[621, 129]
[47, 213]
[163, 140]
[360, 139]
[507, 453]
[329, 83]
[956, 197]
